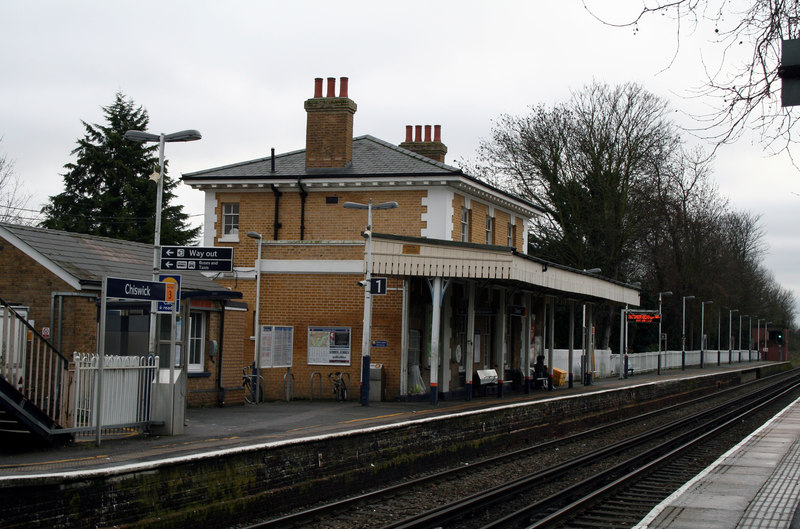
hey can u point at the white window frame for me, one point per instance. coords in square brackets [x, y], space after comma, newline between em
[489, 229]
[464, 224]
[510, 237]
[197, 341]
[230, 230]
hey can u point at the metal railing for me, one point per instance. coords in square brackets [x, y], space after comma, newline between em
[127, 392]
[30, 364]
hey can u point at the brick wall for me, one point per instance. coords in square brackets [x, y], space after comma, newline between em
[323, 300]
[27, 282]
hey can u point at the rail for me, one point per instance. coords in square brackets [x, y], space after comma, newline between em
[30, 364]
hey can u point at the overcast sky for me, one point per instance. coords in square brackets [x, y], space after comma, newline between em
[239, 71]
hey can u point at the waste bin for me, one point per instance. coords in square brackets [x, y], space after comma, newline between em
[377, 381]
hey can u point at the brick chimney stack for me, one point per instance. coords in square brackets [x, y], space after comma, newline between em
[329, 126]
[430, 148]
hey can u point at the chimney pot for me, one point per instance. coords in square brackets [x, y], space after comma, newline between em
[343, 86]
[437, 133]
[418, 133]
[318, 87]
[427, 133]
[409, 133]
[331, 87]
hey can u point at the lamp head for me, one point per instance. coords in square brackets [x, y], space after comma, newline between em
[254, 235]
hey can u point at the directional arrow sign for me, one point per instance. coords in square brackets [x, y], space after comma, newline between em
[197, 252]
[202, 258]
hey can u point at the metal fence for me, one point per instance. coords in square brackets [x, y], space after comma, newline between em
[126, 399]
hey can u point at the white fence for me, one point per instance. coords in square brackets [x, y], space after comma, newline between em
[127, 391]
[606, 363]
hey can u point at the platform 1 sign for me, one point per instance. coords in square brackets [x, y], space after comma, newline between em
[200, 258]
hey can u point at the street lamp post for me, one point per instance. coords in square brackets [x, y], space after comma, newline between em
[660, 294]
[719, 334]
[740, 335]
[146, 137]
[366, 335]
[257, 323]
[683, 334]
[703, 330]
[730, 334]
[766, 334]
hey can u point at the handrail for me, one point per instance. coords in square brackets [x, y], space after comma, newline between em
[31, 365]
[311, 393]
[31, 328]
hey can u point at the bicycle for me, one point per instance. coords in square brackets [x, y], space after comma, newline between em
[339, 385]
[248, 384]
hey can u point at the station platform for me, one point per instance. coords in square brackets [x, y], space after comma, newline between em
[214, 430]
[756, 484]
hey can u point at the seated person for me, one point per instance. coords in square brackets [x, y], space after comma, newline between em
[539, 372]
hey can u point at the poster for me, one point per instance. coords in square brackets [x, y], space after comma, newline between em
[329, 346]
[276, 346]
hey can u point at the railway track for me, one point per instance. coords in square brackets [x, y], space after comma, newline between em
[551, 492]
[618, 496]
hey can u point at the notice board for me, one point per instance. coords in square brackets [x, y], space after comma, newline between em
[276, 346]
[329, 346]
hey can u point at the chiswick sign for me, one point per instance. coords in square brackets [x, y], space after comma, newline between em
[137, 289]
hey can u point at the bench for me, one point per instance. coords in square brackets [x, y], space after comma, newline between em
[483, 379]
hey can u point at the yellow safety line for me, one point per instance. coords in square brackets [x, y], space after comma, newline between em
[104, 456]
[376, 417]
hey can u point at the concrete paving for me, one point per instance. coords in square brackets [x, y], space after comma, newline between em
[756, 484]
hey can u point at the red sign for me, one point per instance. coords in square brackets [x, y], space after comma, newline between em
[644, 317]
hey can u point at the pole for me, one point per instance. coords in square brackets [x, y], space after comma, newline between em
[257, 346]
[702, 331]
[683, 336]
[157, 241]
[101, 345]
[367, 330]
[659, 333]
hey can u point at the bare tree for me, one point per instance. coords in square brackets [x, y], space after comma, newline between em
[13, 197]
[746, 91]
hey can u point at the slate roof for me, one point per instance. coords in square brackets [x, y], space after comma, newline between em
[372, 158]
[88, 258]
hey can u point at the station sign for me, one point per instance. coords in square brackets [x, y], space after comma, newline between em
[644, 317]
[165, 307]
[377, 285]
[200, 258]
[517, 310]
[137, 289]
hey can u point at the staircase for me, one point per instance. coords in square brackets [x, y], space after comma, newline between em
[32, 376]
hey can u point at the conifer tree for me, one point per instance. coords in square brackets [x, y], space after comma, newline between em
[107, 190]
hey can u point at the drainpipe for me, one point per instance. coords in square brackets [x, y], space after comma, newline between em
[275, 224]
[303, 195]
[220, 388]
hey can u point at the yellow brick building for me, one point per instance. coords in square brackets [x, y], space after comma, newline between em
[461, 295]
